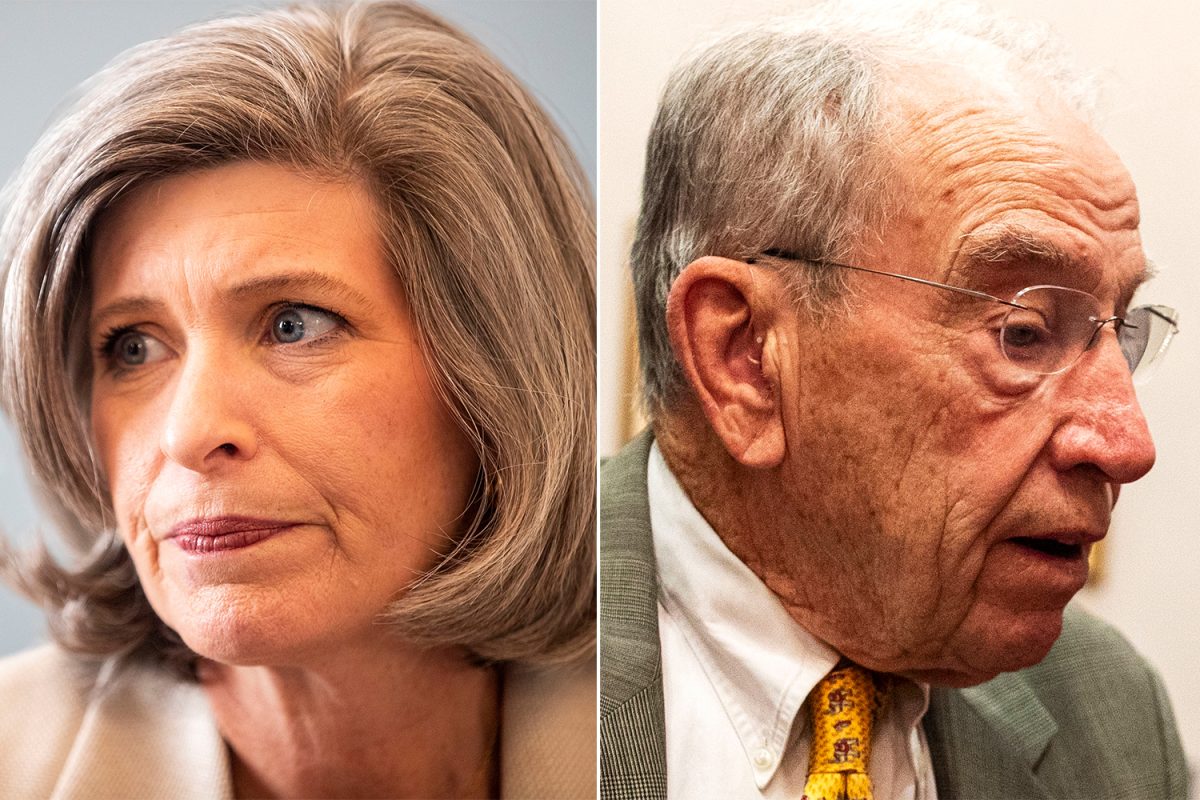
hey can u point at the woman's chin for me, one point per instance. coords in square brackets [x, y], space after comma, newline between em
[243, 651]
[246, 645]
[241, 631]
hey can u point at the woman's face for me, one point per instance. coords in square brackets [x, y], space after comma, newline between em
[280, 464]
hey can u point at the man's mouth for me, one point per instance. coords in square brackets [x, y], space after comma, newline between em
[1066, 544]
[1052, 547]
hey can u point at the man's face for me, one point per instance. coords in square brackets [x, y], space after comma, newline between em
[948, 514]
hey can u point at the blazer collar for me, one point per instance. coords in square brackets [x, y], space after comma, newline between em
[993, 735]
[629, 599]
[145, 734]
[633, 760]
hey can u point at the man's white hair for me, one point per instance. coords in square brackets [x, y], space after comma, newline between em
[774, 136]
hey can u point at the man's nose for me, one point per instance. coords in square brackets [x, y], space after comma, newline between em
[1104, 426]
[208, 417]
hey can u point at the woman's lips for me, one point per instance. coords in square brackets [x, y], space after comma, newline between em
[218, 534]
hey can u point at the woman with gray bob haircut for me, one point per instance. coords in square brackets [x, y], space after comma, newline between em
[298, 332]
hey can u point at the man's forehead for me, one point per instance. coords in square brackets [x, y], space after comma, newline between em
[994, 174]
[986, 103]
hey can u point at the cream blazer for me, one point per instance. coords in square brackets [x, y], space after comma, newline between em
[151, 736]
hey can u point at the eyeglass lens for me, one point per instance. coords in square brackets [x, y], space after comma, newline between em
[1056, 325]
[1145, 346]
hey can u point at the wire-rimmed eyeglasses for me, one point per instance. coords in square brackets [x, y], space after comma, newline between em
[1047, 328]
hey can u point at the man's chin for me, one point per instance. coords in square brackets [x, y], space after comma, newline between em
[991, 646]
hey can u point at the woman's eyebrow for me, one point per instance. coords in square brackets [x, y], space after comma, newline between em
[282, 283]
[309, 281]
[126, 306]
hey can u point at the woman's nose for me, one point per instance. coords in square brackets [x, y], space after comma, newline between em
[208, 415]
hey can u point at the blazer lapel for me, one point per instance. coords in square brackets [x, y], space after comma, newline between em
[987, 741]
[632, 724]
[146, 734]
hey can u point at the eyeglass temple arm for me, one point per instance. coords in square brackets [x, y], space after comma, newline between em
[981, 295]
[1161, 315]
[1100, 323]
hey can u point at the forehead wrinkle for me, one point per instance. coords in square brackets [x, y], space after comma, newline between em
[254, 247]
[949, 135]
[257, 212]
[1002, 135]
[970, 165]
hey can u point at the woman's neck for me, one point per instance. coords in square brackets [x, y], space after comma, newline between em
[374, 721]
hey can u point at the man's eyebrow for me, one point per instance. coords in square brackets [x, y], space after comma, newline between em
[1015, 244]
[1012, 244]
[309, 281]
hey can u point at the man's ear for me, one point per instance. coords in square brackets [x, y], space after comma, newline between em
[721, 316]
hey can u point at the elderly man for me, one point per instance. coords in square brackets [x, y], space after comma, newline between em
[884, 275]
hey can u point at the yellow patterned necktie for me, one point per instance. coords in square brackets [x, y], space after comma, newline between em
[842, 710]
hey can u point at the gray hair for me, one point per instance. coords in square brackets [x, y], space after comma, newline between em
[484, 214]
[776, 137]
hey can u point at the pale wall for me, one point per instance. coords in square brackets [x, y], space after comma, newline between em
[1148, 50]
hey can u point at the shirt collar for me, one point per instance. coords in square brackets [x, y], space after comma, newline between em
[760, 662]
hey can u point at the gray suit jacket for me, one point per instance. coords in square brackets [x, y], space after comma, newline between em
[1091, 721]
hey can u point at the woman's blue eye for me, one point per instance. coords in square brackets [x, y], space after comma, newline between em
[132, 348]
[295, 323]
[289, 327]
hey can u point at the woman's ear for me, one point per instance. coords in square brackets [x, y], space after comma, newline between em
[721, 316]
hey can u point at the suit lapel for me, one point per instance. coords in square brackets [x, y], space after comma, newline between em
[987, 741]
[632, 725]
[147, 734]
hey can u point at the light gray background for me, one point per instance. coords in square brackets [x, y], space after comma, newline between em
[47, 47]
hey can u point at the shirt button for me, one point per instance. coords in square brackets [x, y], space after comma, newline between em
[762, 758]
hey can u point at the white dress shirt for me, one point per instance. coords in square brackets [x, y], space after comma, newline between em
[737, 669]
